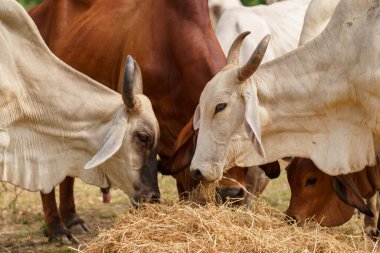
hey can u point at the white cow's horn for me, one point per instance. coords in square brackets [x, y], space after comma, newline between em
[234, 53]
[254, 61]
[132, 82]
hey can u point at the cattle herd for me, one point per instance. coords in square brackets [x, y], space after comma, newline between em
[296, 80]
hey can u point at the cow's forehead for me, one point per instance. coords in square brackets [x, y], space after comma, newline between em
[147, 110]
[223, 82]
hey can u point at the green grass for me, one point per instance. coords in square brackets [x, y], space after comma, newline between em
[29, 3]
[252, 2]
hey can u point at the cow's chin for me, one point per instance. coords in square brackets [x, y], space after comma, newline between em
[338, 216]
[334, 215]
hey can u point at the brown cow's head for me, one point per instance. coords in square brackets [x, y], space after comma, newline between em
[315, 195]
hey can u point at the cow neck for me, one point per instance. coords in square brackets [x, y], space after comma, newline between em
[196, 50]
[309, 106]
[57, 13]
[59, 101]
[82, 110]
[53, 117]
[300, 87]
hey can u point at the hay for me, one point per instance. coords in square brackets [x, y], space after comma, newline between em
[181, 227]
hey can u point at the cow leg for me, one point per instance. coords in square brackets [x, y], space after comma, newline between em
[371, 223]
[56, 230]
[67, 206]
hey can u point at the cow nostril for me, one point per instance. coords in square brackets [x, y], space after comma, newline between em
[290, 219]
[226, 194]
[196, 174]
[241, 193]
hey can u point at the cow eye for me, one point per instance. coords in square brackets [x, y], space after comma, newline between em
[220, 107]
[143, 138]
[310, 181]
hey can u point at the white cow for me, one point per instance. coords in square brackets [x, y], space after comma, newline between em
[56, 122]
[283, 20]
[319, 101]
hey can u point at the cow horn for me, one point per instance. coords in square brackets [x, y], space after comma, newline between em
[132, 82]
[254, 61]
[234, 52]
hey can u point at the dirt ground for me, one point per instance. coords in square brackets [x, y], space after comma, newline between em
[21, 216]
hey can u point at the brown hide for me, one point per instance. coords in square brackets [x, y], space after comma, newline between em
[313, 194]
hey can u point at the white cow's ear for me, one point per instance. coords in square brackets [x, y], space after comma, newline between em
[197, 118]
[252, 118]
[111, 145]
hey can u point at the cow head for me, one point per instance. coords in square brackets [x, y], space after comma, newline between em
[128, 156]
[315, 195]
[231, 186]
[228, 104]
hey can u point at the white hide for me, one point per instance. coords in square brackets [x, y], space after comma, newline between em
[317, 16]
[283, 20]
[53, 119]
[319, 101]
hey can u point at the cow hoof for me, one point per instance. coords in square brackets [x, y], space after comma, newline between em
[63, 239]
[76, 224]
[60, 235]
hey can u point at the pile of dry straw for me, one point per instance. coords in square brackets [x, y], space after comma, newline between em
[184, 227]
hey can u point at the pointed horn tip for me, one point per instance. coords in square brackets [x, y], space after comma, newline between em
[246, 33]
[263, 45]
[242, 36]
[267, 38]
[129, 63]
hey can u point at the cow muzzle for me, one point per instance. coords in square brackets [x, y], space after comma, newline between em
[196, 174]
[214, 173]
[231, 195]
[291, 218]
[152, 197]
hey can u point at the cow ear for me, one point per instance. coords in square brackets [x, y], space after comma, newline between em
[184, 149]
[197, 118]
[252, 119]
[272, 170]
[111, 145]
[349, 194]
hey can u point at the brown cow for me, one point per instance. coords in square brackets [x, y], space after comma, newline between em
[331, 200]
[176, 48]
